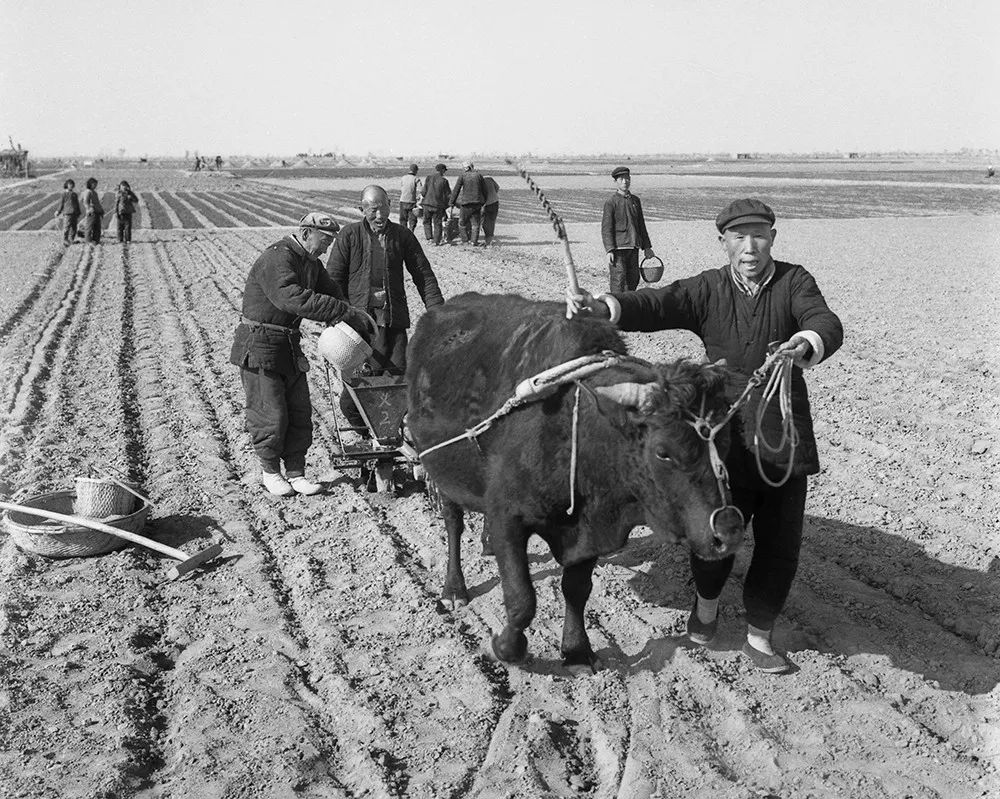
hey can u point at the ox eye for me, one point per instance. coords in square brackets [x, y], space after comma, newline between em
[663, 455]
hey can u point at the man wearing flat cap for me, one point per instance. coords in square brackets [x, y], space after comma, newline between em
[468, 194]
[286, 284]
[409, 191]
[623, 230]
[741, 311]
[437, 192]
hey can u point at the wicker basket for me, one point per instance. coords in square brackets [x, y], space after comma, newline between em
[59, 540]
[100, 498]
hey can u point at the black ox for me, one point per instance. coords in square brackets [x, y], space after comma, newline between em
[640, 459]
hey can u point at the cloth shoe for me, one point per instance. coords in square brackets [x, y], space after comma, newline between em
[698, 632]
[302, 485]
[769, 664]
[276, 484]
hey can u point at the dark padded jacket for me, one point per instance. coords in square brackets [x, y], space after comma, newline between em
[468, 189]
[69, 204]
[437, 190]
[285, 286]
[623, 225]
[349, 267]
[739, 329]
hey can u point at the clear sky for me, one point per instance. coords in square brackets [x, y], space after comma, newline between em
[462, 76]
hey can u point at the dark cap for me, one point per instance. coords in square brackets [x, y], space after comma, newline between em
[414, 168]
[741, 212]
[618, 171]
[441, 168]
[317, 220]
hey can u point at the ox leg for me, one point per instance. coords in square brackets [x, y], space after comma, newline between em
[510, 545]
[454, 594]
[577, 583]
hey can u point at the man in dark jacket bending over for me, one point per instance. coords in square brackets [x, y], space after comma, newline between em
[366, 264]
[737, 311]
[286, 284]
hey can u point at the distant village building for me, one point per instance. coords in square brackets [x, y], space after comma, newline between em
[744, 156]
[14, 163]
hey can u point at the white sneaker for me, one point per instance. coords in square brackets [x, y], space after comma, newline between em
[276, 484]
[303, 485]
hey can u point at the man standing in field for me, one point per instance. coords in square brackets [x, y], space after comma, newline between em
[623, 230]
[93, 213]
[468, 193]
[410, 190]
[740, 311]
[286, 284]
[434, 202]
[69, 210]
[491, 207]
[366, 264]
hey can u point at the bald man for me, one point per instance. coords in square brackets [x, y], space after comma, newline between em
[366, 262]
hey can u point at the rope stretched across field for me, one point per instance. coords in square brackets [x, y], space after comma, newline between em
[557, 225]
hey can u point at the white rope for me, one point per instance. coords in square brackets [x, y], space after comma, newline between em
[574, 446]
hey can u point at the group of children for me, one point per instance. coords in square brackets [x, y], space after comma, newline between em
[72, 207]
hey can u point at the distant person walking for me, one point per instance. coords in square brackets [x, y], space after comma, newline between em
[69, 211]
[197, 163]
[93, 213]
[491, 207]
[410, 190]
[467, 194]
[126, 204]
[218, 163]
[435, 200]
[623, 230]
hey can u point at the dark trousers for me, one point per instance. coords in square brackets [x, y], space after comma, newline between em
[625, 272]
[124, 227]
[388, 358]
[279, 418]
[92, 228]
[70, 222]
[469, 221]
[490, 220]
[407, 217]
[776, 516]
[433, 224]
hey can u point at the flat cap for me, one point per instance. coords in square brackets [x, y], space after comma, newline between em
[741, 212]
[414, 168]
[618, 171]
[317, 220]
[441, 168]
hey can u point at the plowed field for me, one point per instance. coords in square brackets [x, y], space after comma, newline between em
[313, 660]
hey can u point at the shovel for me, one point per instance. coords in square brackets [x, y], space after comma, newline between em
[187, 563]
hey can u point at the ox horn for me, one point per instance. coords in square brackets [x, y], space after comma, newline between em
[639, 396]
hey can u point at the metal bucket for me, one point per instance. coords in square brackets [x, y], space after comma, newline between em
[343, 348]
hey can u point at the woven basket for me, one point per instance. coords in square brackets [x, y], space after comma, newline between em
[101, 498]
[58, 540]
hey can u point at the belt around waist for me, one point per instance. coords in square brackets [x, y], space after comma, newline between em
[267, 326]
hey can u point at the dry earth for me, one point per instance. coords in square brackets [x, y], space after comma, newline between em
[313, 659]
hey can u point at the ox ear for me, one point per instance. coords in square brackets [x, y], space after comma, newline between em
[641, 397]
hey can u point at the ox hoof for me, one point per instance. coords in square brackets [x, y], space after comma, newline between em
[514, 651]
[583, 665]
[452, 603]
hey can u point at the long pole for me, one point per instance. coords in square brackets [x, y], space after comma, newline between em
[557, 225]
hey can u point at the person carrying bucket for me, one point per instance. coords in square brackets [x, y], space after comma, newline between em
[287, 283]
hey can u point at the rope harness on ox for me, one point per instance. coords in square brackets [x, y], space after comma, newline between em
[776, 370]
